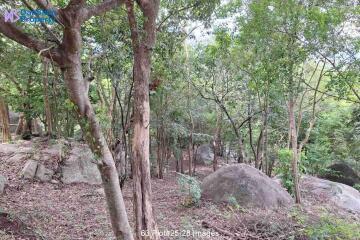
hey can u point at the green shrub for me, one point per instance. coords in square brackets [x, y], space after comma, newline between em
[191, 187]
[329, 228]
[357, 187]
[284, 169]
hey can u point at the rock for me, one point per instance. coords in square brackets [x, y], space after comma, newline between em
[342, 173]
[100, 191]
[337, 194]
[53, 181]
[80, 167]
[204, 154]
[249, 186]
[3, 183]
[17, 158]
[29, 170]
[44, 174]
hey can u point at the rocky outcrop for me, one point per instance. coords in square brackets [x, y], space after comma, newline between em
[204, 154]
[336, 194]
[80, 167]
[342, 173]
[3, 183]
[249, 186]
[35, 170]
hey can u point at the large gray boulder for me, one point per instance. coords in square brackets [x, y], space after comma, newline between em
[342, 173]
[3, 183]
[249, 186]
[80, 167]
[336, 194]
[204, 154]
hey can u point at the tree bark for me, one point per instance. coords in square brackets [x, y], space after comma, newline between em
[67, 56]
[5, 119]
[294, 147]
[142, 48]
[217, 140]
[48, 115]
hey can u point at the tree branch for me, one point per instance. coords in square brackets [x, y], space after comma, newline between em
[103, 7]
[14, 33]
[46, 5]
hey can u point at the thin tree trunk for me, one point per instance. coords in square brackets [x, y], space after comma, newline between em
[294, 147]
[48, 115]
[21, 124]
[217, 140]
[5, 119]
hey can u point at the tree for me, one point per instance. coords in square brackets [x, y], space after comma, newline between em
[66, 54]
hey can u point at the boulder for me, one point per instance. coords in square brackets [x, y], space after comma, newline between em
[80, 167]
[342, 173]
[29, 169]
[249, 186]
[204, 154]
[336, 194]
[33, 169]
[44, 174]
[3, 183]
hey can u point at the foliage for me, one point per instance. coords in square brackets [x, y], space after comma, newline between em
[283, 169]
[189, 186]
[329, 227]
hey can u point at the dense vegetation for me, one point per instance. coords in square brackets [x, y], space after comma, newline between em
[271, 83]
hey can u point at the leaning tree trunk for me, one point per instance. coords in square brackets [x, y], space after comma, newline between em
[294, 147]
[78, 89]
[5, 119]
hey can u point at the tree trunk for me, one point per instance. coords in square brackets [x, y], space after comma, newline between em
[21, 124]
[142, 48]
[217, 140]
[48, 115]
[141, 165]
[120, 162]
[78, 89]
[5, 119]
[294, 147]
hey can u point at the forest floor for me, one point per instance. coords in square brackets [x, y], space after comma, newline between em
[55, 211]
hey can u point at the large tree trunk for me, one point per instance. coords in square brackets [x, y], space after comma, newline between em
[142, 48]
[141, 165]
[5, 119]
[294, 147]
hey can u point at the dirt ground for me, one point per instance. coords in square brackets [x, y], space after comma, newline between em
[54, 211]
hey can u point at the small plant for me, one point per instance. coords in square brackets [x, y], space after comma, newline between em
[357, 187]
[233, 202]
[191, 187]
[284, 169]
[332, 228]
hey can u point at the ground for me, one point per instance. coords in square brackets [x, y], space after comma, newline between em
[54, 211]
